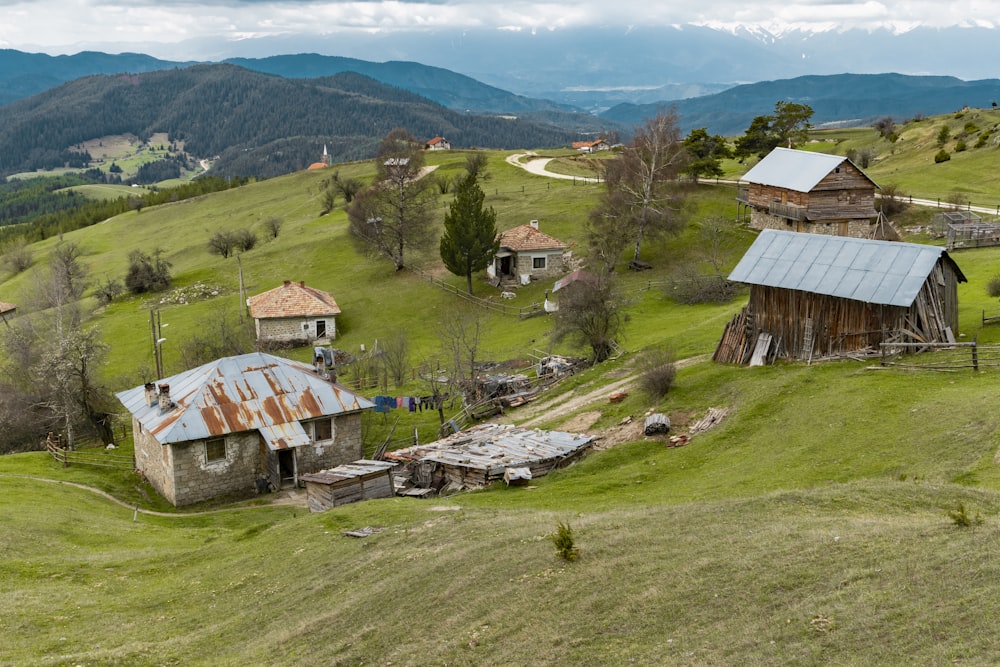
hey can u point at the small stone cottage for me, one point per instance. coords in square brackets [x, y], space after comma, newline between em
[294, 313]
[526, 253]
[239, 423]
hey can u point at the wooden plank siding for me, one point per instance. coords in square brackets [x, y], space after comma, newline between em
[805, 325]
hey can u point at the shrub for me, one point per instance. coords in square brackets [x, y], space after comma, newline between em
[273, 226]
[563, 539]
[147, 274]
[244, 239]
[689, 287]
[960, 146]
[942, 156]
[892, 200]
[961, 517]
[221, 244]
[657, 374]
[108, 291]
[18, 257]
[993, 286]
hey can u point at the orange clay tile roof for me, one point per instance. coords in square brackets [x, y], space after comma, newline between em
[526, 237]
[292, 300]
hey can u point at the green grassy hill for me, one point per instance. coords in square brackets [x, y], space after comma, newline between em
[810, 526]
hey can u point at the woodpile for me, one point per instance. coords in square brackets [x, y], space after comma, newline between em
[711, 418]
[656, 424]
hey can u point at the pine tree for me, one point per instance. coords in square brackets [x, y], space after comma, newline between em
[470, 237]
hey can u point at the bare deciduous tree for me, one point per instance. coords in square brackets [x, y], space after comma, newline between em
[395, 215]
[642, 196]
[590, 312]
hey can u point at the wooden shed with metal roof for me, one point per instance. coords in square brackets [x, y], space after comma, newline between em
[815, 296]
[804, 191]
[225, 426]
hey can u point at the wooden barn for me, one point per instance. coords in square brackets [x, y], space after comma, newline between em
[803, 191]
[814, 296]
[348, 483]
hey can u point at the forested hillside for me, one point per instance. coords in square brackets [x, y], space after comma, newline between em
[260, 125]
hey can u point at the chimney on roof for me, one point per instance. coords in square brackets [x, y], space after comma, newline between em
[151, 398]
[165, 397]
[287, 283]
[534, 224]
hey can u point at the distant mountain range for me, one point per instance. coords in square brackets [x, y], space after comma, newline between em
[259, 124]
[267, 116]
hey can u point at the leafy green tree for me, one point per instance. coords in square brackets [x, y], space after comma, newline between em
[788, 125]
[706, 153]
[470, 236]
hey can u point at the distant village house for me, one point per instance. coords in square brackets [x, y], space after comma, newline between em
[241, 422]
[294, 313]
[438, 144]
[526, 253]
[803, 191]
[591, 146]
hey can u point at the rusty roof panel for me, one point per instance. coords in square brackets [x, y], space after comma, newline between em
[242, 393]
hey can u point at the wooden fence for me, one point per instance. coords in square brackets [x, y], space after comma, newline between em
[940, 356]
[101, 458]
[497, 307]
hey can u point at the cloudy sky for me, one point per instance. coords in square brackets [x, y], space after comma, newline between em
[157, 27]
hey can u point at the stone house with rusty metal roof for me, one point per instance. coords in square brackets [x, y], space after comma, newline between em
[803, 191]
[527, 253]
[294, 313]
[240, 422]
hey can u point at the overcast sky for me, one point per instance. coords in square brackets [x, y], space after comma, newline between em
[152, 26]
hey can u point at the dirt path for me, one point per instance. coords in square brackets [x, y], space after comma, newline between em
[539, 167]
[292, 498]
[570, 402]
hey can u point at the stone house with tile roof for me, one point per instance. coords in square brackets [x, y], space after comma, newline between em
[226, 426]
[294, 313]
[526, 254]
[438, 144]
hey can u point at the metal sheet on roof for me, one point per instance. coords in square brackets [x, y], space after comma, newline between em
[793, 169]
[883, 272]
[284, 436]
[237, 394]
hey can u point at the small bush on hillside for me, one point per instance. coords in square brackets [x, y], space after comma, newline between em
[943, 135]
[221, 244]
[961, 517]
[960, 146]
[993, 287]
[18, 257]
[892, 200]
[942, 156]
[689, 287]
[657, 373]
[108, 291]
[273, 226]
[147, 274]
[244, 239]
[563, 539]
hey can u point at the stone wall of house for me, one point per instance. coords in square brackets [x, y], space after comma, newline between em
[859, 229]
[291, 329]
[555, 264]
[345, 447]
[196, 479]
[154, 461]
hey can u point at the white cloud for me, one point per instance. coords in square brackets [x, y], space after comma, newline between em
[62, 26]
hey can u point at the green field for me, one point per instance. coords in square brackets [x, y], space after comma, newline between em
[810, 526]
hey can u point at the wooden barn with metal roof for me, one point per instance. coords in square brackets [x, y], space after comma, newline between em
[803, 191]
[814, 296]
[225, 426]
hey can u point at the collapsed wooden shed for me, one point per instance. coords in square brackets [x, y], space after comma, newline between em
[817, 296]
[349, 483]
[482, 454]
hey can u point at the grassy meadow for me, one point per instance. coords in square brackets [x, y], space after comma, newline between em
[810, 526]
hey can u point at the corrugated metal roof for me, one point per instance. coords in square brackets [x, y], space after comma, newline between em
[883, 272]
[243, 393]
[348, 471]
[793, 169]
[495, 447]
